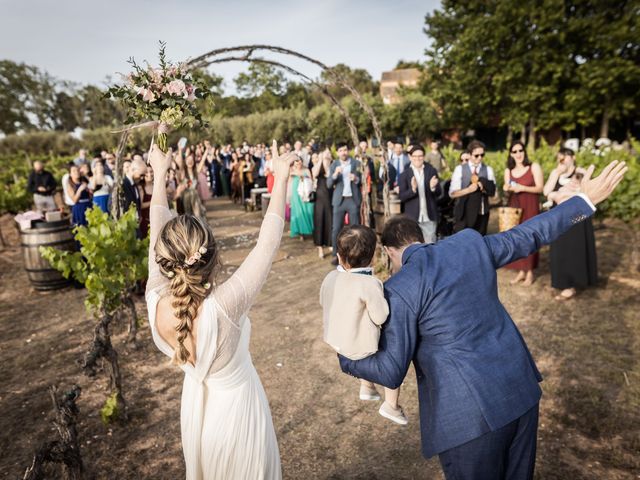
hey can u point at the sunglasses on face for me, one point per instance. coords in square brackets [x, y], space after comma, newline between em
[517, 151]
[478, 155]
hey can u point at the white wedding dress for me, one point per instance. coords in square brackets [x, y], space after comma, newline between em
[227, 431]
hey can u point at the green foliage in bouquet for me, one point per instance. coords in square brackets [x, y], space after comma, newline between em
[110, 261]
[165, 94]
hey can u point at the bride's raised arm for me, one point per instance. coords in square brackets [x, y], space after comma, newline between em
[159, 212]
[237, 294]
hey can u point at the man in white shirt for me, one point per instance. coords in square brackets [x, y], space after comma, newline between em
[345, 177]
[471, 186]
[419, 189]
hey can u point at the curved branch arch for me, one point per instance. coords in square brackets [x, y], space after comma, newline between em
[245, 53]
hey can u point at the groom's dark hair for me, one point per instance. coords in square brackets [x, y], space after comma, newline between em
[401, 231]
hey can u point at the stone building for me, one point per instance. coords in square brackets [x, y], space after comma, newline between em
[391, 81]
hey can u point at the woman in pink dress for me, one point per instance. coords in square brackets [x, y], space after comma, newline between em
[523, 181]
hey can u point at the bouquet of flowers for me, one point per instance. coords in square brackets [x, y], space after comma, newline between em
[161, 97]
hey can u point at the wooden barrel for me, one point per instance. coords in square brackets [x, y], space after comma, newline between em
[395, 205]
[264, 201]
[45, 234]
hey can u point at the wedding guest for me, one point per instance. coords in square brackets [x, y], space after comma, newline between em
[246, 175]
[419, 190]
[213, 166]
[188, 189]
[110, 164]
[369, 177]
[354, 309]
[43, 186]
[435, 157]
[146, 190]
[131, 195]
[126, 166]
[81, 158]
[78, 192]
[573, 255]
[471, 186]
[523, 182]
[465, 156]
[172, 187]
[268, 170]
[236, 178]
[344, 178]
[85, 171]
[101, 185]
[203, 185]
[300, 189]
[399, 160]
[322, 208]
[302, 153]
[225, 170]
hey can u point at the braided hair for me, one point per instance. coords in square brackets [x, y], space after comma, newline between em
[186, 252]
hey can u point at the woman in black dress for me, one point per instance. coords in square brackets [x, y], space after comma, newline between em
[322, 210]
[573, 255]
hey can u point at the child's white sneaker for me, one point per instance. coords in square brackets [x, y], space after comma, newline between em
[367, 393]
[394, 414]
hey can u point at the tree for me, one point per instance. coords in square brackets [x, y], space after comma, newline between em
[605, 61]
[533, 66]
[26, 97]
[402, 64]
[358, 78]
[261, 78]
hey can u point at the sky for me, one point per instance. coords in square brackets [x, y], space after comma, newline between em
[87, 41]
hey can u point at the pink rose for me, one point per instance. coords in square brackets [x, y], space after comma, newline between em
[155, 74]
[147, 94]
[176, 87]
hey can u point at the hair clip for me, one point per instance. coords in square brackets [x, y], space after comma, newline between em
[196, 256]
[171, 274]
[206, 285]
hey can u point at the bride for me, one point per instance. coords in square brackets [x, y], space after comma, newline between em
[227, 431]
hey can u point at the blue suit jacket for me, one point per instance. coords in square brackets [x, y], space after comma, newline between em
[475, 373]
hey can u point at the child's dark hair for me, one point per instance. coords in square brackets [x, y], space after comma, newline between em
[356, 245]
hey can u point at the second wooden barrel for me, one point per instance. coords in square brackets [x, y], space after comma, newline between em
[46, 234]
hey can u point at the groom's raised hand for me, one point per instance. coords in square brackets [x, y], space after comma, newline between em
[600, 187]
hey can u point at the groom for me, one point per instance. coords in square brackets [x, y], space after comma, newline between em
[477, 382]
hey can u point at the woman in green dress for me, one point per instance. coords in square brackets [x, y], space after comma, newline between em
[300, 191]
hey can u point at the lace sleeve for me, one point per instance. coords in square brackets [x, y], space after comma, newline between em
[158, 216]
[237, 294]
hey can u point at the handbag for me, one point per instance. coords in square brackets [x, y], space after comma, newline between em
[509, 217]
[305, 190]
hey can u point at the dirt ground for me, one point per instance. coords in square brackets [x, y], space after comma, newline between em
[587, 350]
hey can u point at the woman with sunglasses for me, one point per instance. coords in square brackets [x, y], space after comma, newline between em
[523, 182]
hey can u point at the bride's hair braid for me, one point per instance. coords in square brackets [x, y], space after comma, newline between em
[179, 240]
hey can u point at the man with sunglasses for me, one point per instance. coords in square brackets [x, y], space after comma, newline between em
[471, 186]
